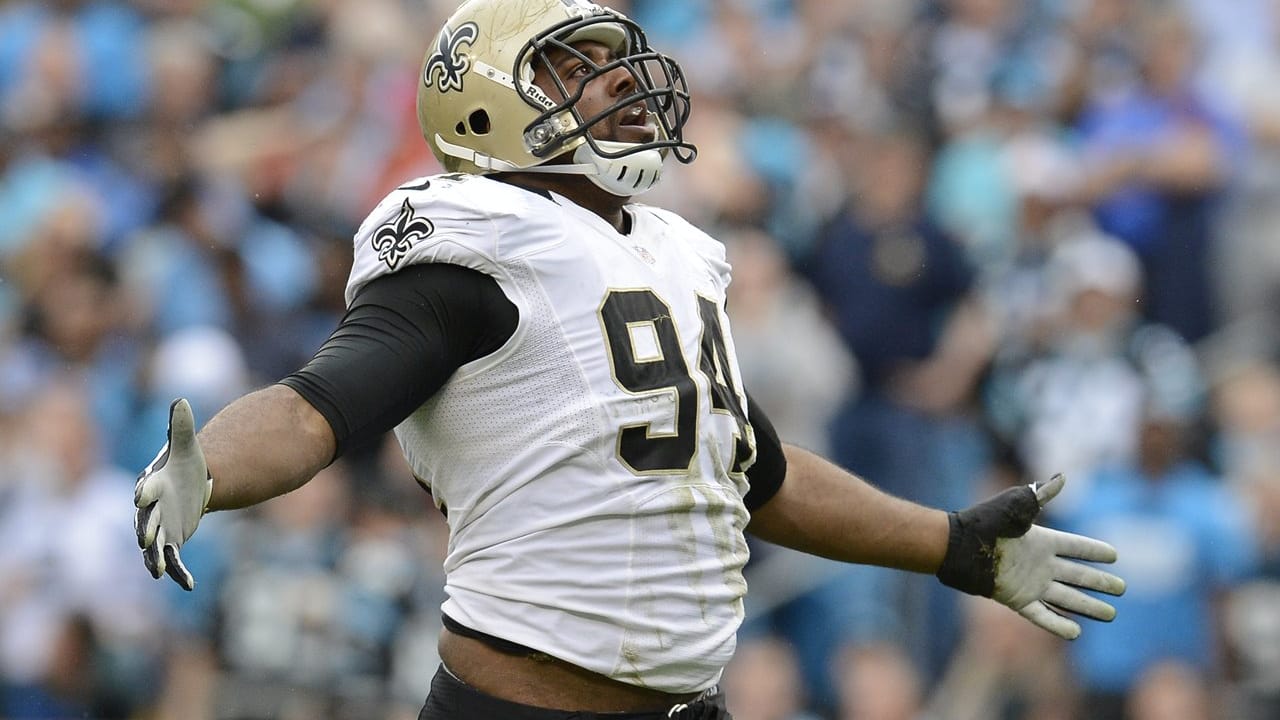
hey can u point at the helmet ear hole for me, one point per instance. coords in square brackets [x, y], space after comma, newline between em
[460, 128]
[478, 121]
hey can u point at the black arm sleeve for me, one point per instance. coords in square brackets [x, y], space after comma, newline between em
[401, 339]
[770, 468]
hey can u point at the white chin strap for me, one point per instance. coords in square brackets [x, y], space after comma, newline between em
[626, 176]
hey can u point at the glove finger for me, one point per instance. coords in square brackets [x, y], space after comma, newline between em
[146, 492]
[153, 556]
[1072, 600]
[1084, 576]
[182, 427]
[176, 570]
[145, 522]
[1080, 547]
[149, 559]
[1039, 613]
[1047, 490]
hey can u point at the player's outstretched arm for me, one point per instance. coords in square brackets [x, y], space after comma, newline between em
[265, 444]
[992, 549]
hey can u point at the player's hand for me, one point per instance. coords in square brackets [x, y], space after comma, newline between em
[995, 551]
[171, 497]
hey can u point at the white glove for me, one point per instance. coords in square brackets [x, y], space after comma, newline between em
[995, 551]
[171, 496]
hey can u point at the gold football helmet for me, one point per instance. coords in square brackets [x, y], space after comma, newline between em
[481, 112]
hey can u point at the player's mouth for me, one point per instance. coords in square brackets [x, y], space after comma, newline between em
[636, 114]
[635, 124]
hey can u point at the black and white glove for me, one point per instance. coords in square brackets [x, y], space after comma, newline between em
[171, 496]
[995, 551]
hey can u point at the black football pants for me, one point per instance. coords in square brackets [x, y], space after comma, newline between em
[452, 699]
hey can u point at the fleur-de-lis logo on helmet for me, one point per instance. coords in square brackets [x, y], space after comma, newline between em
[446, 66]
[394, 240]
[583, 5]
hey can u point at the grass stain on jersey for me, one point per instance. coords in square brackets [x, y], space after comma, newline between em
[680, 520]
[730, 545]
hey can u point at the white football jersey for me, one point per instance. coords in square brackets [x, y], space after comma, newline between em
[592, 468]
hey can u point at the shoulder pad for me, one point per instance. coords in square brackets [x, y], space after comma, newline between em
[711, 250]
[454, 218]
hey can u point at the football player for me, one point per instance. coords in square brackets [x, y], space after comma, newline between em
[556, 363]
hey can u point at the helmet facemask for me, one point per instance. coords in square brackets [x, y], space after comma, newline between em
[623, 169]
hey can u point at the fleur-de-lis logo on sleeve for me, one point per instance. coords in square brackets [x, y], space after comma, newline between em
[394, 240]
[447, 64]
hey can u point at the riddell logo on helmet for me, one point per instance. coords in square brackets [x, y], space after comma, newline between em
[448, 62]
[534, 93]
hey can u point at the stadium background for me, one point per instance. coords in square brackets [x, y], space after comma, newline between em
[975, 242]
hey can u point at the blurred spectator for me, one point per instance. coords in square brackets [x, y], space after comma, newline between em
[189, 686]
[1100, 57]
[763, 682]
[1184, 539]
[998, 183]
[970, 45]
[53, 56]
[1170, 691]
[321, 586]
[1004, 670]
[879, 682]
[1230, 37]
[726, 189]
[972, 194]
[78, 318]
[1017, 288]
[1246, 268]
[359, 107]
[213, 260]
[796, 366]
[1074, 402]
[284, 636]
[899, 292]
[75, 610]
[169, 266]
[1158, 156]
[790, 355]
[1246, 407]
[869, 66]
[1252, 627]
[204, 364]
[56, 94]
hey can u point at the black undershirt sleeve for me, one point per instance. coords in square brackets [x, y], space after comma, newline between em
[766, 474]
[402, 338]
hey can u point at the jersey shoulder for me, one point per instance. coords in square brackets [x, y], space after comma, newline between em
[710, 250]
[466, 220]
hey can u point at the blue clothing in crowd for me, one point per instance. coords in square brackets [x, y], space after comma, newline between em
[888, 290]
[1173, 232]
[1182, 538]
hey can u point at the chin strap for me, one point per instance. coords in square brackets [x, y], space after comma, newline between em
[624, 176]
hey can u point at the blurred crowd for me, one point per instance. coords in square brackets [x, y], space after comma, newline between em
[975, 242]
